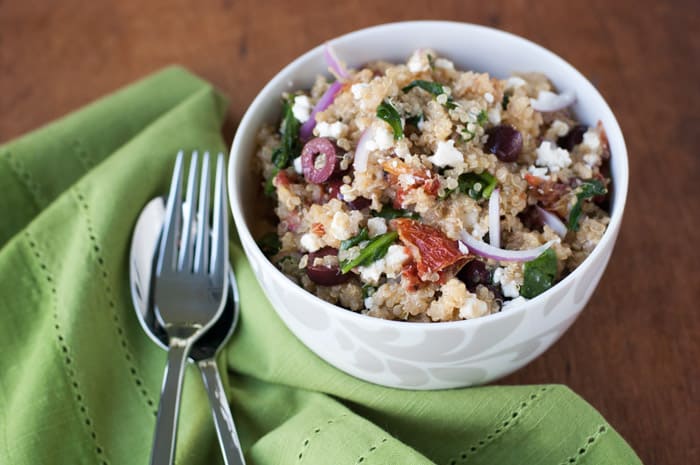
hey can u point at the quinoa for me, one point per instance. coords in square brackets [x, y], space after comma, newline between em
[372, 208]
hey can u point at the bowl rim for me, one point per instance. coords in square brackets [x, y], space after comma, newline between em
[620, 180]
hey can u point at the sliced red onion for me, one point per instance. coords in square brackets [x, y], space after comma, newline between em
[553, 221]
[307, 129]
[362, 150]
[549, 101]
[334, 63]
[485, 250]
[495, 219]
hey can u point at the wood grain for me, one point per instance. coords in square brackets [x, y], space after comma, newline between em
[634, 351]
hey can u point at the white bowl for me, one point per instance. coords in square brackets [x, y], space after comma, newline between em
[426, 355]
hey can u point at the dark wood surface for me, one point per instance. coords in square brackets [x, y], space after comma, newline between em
[634, 352]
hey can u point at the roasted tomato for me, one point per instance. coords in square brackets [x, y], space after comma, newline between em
[435, 255]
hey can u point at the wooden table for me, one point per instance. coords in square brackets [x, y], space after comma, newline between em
[634, 353]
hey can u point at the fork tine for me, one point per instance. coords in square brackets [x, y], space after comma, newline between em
[171, 226]
[201, 252]
[219, 248]
[187, 240]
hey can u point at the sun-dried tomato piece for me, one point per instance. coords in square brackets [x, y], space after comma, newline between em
[546, 192]
[435, 255]
[409, 274]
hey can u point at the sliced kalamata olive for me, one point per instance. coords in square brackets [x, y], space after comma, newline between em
[359, 203]
[505, 142]
[319, 160]
[573, 137]
[324, 275]
[473, 274]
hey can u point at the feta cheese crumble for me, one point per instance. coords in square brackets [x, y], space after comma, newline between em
[333, 130]
[311, 242]
[376, 226]
[301, 108]
[553, 157]
[509, 287]
[446, 154]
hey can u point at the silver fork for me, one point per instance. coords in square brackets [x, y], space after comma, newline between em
[190, 283]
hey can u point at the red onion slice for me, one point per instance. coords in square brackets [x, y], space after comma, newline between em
[485, 250]
[495, 219]
[307, 129]
[549, 101]
[362, 150]
[553, 221]
[336, 66]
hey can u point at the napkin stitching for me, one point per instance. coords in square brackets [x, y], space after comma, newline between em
[65, 351]
[316, 431]
[25, 179]
[83, 206]
[506, 425]
[583, 450]
[374, 447]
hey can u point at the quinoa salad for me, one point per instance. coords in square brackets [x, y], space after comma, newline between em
[421, 192]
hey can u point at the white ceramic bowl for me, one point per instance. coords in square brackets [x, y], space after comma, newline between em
[426, 355]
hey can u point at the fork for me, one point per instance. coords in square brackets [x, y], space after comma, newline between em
[190, 284]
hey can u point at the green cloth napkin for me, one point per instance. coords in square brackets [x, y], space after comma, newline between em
[80, 381]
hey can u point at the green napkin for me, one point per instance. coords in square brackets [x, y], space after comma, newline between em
[80, 381]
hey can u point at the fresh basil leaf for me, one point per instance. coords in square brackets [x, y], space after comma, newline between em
[270, 244]
[353, 241]
[373, 251]
[539, 274]
[391, 213]
[388, 113]
[477, 186]
[431, 87]
[587, 190]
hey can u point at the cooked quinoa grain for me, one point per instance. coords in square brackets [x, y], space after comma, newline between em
[378, 193]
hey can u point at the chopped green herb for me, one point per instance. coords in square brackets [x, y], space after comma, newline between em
[482, 118]
[431, 61]
[390, 213]
[506, 99]
[477, 186]
[373, 251]
[388, 113]
[353, 241]
[270, 244]
[431, 87]
[539, 274]
[291, 146]
[269, 188]
[585, 191]
[368, 291]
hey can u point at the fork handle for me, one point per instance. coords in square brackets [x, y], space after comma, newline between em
[163, 452]
[225, 428]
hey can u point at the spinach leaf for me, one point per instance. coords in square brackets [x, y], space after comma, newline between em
[375, 250]
[585, 191]
[368, 290]
[291, 145]
[482, 118]
[431, 87]
[353, 241]
[269, 188]
[390, 213]
[270, 244]
[388, 113]
[539, 274]
[477, 186]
